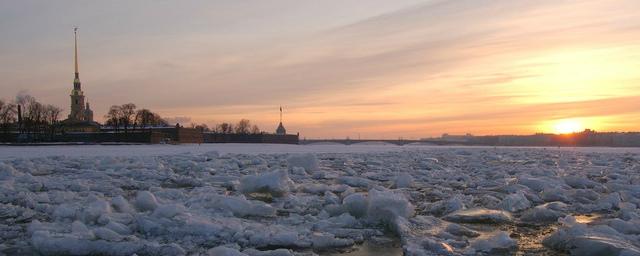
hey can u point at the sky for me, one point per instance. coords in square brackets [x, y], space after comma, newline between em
[339, 68]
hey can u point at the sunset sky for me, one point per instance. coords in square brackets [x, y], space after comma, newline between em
[378, 68]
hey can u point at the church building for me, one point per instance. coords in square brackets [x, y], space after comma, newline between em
[281, 130]
[81, 116]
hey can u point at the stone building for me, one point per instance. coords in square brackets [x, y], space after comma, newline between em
[88, 113]
[81, 116]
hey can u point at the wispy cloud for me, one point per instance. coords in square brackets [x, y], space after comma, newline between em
[410, 68]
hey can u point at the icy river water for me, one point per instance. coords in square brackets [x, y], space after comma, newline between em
[281, 200]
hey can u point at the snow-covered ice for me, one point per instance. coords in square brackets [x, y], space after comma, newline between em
[275, 183]
[283, 200]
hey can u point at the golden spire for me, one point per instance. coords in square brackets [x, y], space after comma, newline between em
[77, 87]
[75, 38]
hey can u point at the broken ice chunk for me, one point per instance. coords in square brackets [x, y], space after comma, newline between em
[356, 204]
[499, 243]
[479, 215]
[403, 180]
[307, 161]
[276, 183]
[515, 202]
[385, 206]
[541, 214]
[145, 201]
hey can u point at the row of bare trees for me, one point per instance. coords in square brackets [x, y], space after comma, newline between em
[243, 126]
[43, 118]
[35, 117]
[126, 116]
[8, 112]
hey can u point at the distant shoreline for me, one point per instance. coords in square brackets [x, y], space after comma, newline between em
[68, 144]
[307, 144]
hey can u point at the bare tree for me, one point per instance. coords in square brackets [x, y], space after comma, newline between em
[113, 117]
[3, 106]
[158, 121]
[24, 99]
[34, 117]
[144, 118]
[127, 112]
[225, 128]
[255, 129]
[7, 115]
[243, 126]
[52, 114]
[201, 127]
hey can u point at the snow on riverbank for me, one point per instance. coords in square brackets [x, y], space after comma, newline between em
[187, 200]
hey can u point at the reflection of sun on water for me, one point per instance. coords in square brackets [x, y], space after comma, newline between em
[586, 219]
[568, 126]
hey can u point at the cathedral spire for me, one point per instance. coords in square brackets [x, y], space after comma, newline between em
[79, 112]
[75, 39]
[280, 130]
[76, 80]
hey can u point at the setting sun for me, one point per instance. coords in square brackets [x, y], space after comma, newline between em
[568, 126]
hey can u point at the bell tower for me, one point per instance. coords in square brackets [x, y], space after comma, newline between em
[77, 96]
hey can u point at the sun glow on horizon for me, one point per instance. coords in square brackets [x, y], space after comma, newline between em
[568, 126]
[576, 74]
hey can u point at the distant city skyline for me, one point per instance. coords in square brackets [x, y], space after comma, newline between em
[380, 69]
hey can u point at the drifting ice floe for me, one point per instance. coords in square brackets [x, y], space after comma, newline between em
[438, 201]
[276, 183]
[478, 215]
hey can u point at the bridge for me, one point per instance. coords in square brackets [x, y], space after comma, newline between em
[398, 142]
